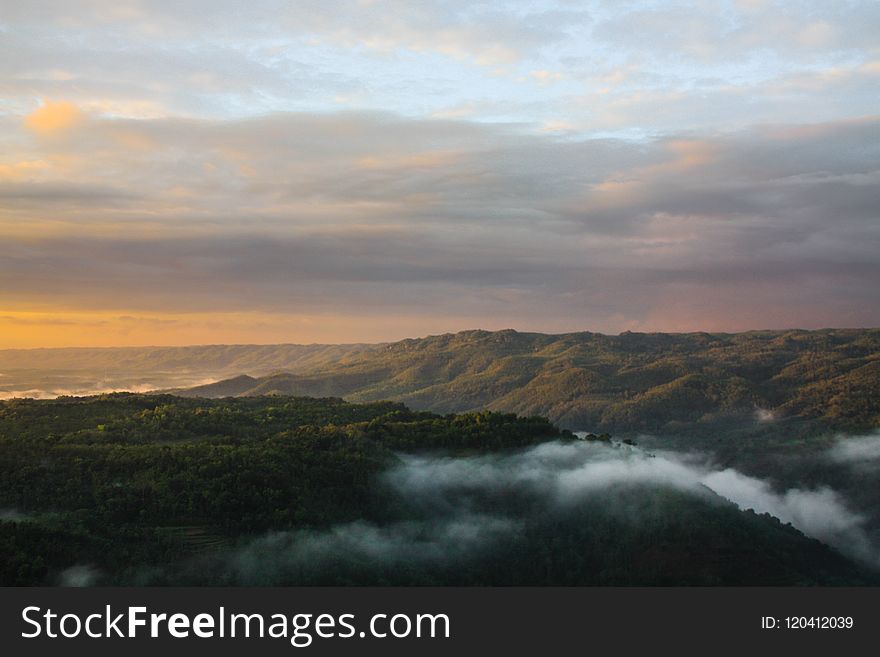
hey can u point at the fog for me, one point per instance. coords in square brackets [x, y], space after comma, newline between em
[50, 384]
[437, 542]
[12, 515]
[79, 576]
[54, 393]
[861, 451]
[821, 513]
[462, 508]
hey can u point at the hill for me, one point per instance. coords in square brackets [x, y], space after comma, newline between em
[626, 383]
[157, 489]
[827, 380]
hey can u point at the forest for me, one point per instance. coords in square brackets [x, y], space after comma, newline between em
[159, 489]
[137, 479]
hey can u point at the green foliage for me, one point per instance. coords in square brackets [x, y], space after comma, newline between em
[634, 535]
[468, 431]
[125, 482]
[133, 479]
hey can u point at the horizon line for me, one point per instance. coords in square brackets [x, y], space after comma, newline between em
[437, 335]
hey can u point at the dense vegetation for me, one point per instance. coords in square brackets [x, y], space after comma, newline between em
[139, 479]
[644, 535]
[161, 487]
[626, 383]
[164, 489]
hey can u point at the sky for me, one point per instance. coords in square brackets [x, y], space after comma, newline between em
[361, 171]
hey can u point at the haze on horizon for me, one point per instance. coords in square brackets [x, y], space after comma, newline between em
[364, 171]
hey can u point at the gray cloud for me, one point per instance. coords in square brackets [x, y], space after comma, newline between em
[360, 212]
[43, 195]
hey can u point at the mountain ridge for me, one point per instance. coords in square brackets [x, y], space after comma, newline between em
[628, 382]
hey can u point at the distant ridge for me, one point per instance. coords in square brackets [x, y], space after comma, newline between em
[629, 382]
[221, 359]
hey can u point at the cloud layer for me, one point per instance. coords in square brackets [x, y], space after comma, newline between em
[365, 214]
[372, 171]
[633, 66]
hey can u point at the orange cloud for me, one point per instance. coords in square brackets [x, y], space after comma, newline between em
[24, 170]
[53, 117]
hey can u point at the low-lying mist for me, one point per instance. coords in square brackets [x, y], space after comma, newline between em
[50, 384]
[613, 511]
[859, 451]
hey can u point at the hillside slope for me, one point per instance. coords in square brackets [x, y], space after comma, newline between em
[159, 489]
[628, 382]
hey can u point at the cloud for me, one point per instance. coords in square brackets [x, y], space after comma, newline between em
[79, 576]
[466, 509]
[857, 451]
[820, 513]
[53, 117]
[279, 556]
[713, 30]
[659, 66]
[22, 170]
[85, 390]
[365, 212]
[567, 473]
[607, 176]
[544, 76]
[486, 35]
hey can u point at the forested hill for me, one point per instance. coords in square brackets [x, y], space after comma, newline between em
[129, 489]
[628, 382]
